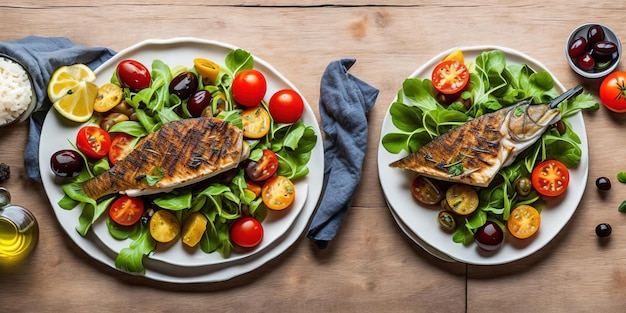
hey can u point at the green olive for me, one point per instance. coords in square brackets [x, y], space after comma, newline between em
[523, 186]
[112, 119]
[446, 220]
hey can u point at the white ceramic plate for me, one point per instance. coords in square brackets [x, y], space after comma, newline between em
[181, 51]
[422, 221]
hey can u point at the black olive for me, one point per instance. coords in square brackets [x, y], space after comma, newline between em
[489, 236]
[603, 230]
[184, 85]
[603, 183]
[66, 163]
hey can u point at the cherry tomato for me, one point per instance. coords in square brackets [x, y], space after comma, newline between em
[93, 141]
[450, 77]
[246, 232]
[133, 75]
[278, 193]
[426, 190]
[126, 210]
[262, 169]
[550, 178]
[286, 106]
[121, 146]
[524, 221]
[256, 122]
[254, 187]
[613, 92]
[249, 87]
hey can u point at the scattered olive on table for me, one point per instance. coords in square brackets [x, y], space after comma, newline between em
[603, 183]
[603, 230]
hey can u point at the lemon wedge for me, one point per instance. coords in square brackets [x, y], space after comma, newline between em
[72, 91]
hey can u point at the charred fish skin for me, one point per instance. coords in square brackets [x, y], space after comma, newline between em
[474, 153]
[178, 154]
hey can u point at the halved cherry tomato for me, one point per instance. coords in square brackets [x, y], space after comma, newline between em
[450, 77]
[286, 106]
[207, 69]
[550, 178]
[126, 210]
[278, 193]
[133, 75]
[249, 87]
[246, 232]
[254, 187]
[262, 169]
[93, 141]
[256, 122]
[613, 92]
[121, 146]
[524, 221]
[426, 190]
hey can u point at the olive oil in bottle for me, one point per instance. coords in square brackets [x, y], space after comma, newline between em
[18, 231]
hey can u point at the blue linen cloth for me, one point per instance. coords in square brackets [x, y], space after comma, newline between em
[42, 56]
[344, 103]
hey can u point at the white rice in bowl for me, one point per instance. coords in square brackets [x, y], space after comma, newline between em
[16, 93]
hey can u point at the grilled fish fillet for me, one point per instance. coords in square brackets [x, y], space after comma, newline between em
[178, 154]
[474, 153]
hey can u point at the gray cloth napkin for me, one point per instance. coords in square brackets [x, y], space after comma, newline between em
[344, 103]
[42, 56]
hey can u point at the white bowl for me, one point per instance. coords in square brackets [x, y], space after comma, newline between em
[581, 31]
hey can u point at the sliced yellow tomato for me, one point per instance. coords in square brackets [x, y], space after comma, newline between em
[256, 122]
[278, 193]
[207, 69]
[164, 226]
[109, 95]
[462, 199]
[524, 221]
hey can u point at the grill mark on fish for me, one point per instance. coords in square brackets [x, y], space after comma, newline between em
[182, 151]
[487, 142]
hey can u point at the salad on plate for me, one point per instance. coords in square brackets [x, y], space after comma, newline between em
[482, 153]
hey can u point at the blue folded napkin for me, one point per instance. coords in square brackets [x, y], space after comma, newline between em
[42, 56]
[344, 103]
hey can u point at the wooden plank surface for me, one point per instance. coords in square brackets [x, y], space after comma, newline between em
[371, 266]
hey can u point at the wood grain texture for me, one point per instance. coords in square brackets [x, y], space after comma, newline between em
[371, 266]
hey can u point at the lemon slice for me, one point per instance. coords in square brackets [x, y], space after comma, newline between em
[109, 95]
[67, 78]
[77, 104]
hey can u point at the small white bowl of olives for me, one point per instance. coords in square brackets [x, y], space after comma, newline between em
[593, 50]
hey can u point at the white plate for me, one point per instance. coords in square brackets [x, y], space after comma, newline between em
[174, 52]
[423, 221]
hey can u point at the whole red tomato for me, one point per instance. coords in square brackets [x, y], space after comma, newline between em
[249, 87]
[613, 92]
[286, 106]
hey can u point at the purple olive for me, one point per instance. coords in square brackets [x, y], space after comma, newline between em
[184, 84]
[577, 47]
[66, 163]
[198, 101]
[586, 62]
[595, 33]
[489, 236]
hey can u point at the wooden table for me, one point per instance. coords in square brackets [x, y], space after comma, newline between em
[371, 266]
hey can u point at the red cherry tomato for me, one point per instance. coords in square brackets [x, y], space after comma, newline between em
[262, 169]
[133, 75]
[121, 146]
[450, 77]
[286, 106]
[249, 87]
[126, 210]
[613, 92]
[246, 232]
[93, 141]
[550, 178]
